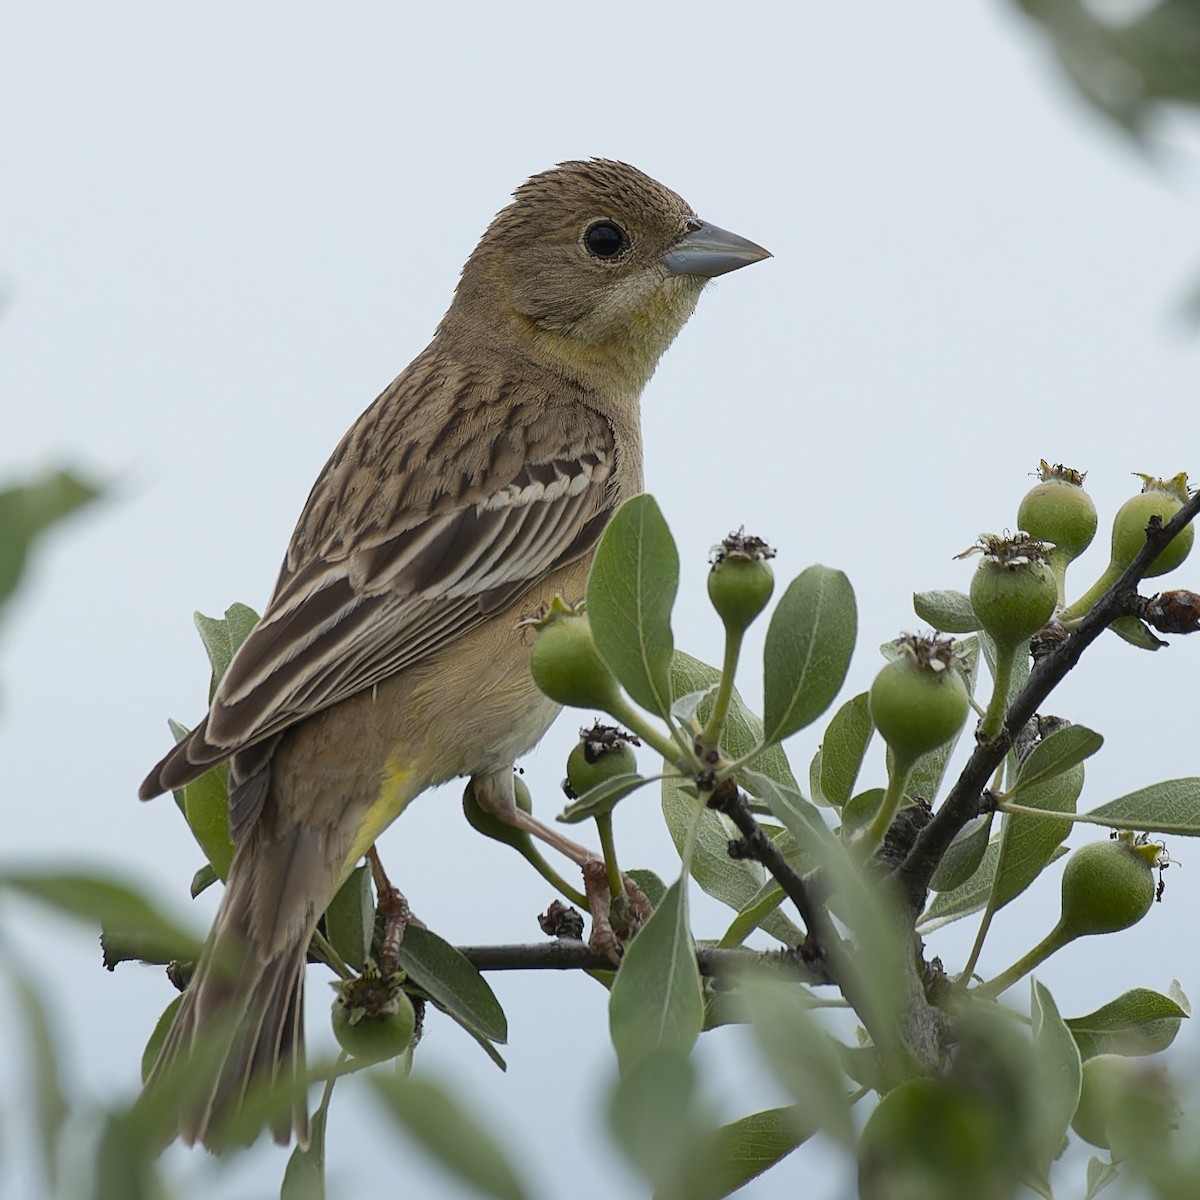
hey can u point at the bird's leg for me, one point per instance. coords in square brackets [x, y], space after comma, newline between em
[393, 907]
[494, 792]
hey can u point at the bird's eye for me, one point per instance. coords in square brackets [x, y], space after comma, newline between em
[604, 239]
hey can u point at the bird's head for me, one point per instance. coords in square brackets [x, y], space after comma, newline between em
[594, 268]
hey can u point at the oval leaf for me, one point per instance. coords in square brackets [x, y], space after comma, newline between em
[350, 918]
[452, 983]
[1063, 749]
[807, 650]
[656, 997]
[1169, 807]
[843, 748]
[1027, 844]
[448, 1134]
[1136, 1022]
[630, 592]
[1058, 1076]
[947, 611]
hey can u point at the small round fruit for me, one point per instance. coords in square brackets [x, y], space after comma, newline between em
[1161, 498]
[1107, 886]
[601, 753]
[1057, 510]
[1013, 591]
[489, 824]
[741, 580]
[568, 668]
[373, 1036]
[918, 701]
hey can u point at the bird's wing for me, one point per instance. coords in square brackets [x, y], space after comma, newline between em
[385, 571]
[339, 626]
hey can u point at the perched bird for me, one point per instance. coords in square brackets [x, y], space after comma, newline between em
[392, 656]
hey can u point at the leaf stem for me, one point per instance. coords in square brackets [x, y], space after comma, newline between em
[872, 837]
[1142, 826]
[1052, 942]
[711, 737]
[993, 719]
[604, 825]
[673, 749]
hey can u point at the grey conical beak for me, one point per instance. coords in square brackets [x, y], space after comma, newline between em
[708, 251]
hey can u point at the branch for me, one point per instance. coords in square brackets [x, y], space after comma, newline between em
[566, 954]
[822, 939]
[964, 801]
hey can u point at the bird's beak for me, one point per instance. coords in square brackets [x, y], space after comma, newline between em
[708, 251]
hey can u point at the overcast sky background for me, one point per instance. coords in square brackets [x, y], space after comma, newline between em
[225, 227]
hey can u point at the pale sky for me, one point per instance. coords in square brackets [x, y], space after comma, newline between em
[225, 227]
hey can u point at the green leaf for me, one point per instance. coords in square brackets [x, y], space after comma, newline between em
[448, 1134]
[1027, 844]
[206, 808]
[947, 611]
[843, 748]
[655, 1119]
[158, 1036]
[968, 897]
[1136, 633]
[630, 593]
[799, 1052]
[43, 1099]
[743, 730]
[963, 856]
[304, 1178]
[734, 881]
[1139, 1021]
[602, 798]
[350, 918]
[751, 916]
[657, 998]
[452, 983]
[652, 886]
[859, 810]
[27, 511]
[1063, 749]
[1169, 807]
[1099, 1175]
[807, 652]
[221, 638]
[103, 903]
[1058, 1076]
[745, 1148]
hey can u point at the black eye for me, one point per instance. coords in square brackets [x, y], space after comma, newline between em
[605, 239]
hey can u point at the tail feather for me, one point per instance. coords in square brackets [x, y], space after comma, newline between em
[259, 1005]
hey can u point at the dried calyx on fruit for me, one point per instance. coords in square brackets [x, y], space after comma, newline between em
[740, 581]
[1057, 510]
[1013, 590]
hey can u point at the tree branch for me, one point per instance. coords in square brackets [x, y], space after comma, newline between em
[964, 801]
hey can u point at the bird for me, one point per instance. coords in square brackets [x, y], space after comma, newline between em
[393, 654]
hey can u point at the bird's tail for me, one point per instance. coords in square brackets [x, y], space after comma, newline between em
[239, 1031]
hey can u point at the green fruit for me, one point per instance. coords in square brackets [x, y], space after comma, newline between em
[918, 701]
[1107, 886]
[1057, 510]
[489, 824]
[568, 668]
[1161, 498]
[373, 1019]
[740, 584]
[600, 754]
[1013, 591]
